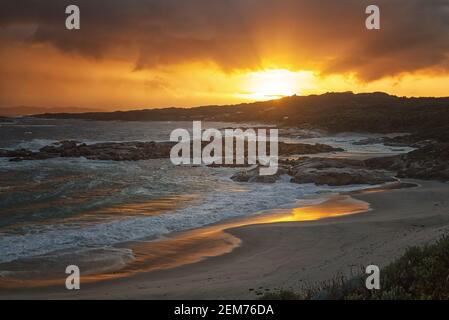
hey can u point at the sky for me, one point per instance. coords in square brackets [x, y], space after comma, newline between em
[132, 54]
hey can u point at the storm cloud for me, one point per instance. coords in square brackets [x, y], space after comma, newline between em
[327, 35]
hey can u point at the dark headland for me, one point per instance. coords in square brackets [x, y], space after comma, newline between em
[335, 112]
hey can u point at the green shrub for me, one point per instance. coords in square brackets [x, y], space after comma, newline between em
[422, 273]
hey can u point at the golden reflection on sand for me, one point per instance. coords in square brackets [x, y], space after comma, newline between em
[195, 245]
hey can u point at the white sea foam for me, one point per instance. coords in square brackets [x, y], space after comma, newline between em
[225, 204]
[34, 144]
[347, 142]
[219, 198]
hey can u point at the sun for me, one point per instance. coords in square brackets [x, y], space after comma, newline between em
[272, 84]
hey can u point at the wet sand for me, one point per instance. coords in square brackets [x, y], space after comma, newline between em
[281, 253]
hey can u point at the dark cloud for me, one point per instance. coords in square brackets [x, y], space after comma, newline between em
[327, 35]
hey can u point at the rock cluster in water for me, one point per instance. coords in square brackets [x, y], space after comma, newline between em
[429, 162]
[116, 151]
[133, 151]
[321, 171]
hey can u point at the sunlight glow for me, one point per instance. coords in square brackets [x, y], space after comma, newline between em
[274, 83]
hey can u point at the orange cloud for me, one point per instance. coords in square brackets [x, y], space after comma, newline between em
[166, 52]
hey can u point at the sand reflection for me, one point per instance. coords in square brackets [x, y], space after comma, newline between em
[210, 241]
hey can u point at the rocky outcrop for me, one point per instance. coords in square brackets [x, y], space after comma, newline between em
[342, 176]
[421, 138]
[134, 150]
[19, 153]
[253, 176]
[429, 162]
[335, 172]
[389, 163]
[116, 151]
[335, 112]
[321, 171]
[287, 149]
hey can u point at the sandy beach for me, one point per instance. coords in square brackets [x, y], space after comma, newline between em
[224, 150]
[286, 255]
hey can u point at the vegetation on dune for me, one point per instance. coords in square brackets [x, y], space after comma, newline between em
[422, 273]
[336, 112]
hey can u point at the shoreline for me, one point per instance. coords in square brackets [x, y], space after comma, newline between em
[286, 255]
[194, 245]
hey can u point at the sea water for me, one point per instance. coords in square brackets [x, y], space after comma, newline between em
[51, 207]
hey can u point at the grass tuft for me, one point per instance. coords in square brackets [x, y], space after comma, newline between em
[422, 273]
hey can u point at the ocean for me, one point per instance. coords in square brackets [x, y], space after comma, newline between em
[56, 207]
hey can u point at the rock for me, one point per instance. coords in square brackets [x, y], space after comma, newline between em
[421, 138]
[18, 153]
[224, 165]
[253, 176]
[286, 149]
[333, 172]
[428, 162]
[133, 150]
[116, 151]
[304, 133]
[124, 151]
[432, 152]
[388, 163]
[342, 176]
[321, 171]
[368, 141]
